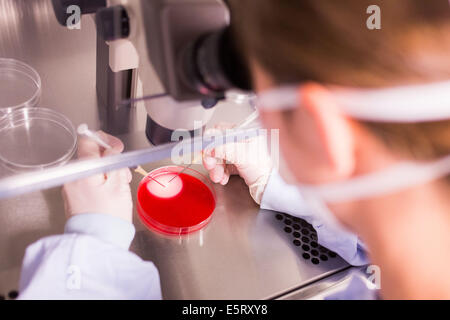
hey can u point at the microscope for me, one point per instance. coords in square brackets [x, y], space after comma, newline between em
[179, 54]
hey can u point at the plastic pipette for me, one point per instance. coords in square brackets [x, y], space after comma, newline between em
[83, 129]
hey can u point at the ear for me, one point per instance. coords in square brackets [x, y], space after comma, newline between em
[317, 140]
[333, 130]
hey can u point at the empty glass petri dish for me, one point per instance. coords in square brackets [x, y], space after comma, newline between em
[175, 200]
[36, 138]
[20, 86]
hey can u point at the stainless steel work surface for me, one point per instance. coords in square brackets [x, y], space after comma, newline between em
[244, 253]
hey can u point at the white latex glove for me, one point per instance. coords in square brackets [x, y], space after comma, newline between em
[249, 159]
[103, 193]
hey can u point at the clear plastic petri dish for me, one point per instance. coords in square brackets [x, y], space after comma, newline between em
[20, 86]
[36, 138]
[174, 203]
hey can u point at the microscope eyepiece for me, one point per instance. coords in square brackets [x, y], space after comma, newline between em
[212, 65]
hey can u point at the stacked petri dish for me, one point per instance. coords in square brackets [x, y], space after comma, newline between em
[36, 138]
[20, 86]
[175, 200]
[31, 138]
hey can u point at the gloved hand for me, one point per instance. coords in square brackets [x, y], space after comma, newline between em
[249, 159]
[103, 193]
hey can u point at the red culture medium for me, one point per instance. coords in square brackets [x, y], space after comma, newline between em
[186, 212]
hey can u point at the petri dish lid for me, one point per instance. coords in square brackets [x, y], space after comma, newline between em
[186, 208]
[20, 86]
[36, 138]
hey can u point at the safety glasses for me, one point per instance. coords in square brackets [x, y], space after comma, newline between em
[417, 103]
[403, 104]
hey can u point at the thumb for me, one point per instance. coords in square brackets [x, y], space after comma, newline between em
[227, 152]
[116, 144]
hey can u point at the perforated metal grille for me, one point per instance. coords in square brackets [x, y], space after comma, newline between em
[304, 237]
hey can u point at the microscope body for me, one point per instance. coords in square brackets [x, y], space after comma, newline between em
[160, 47]
[161, 30]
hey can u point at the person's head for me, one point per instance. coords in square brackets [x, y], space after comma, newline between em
[318, 43]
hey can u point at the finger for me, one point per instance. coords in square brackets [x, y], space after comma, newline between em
[88, 148]
[226, 152]
[209, 162]
[232, 170]
[118, 177]
[116, 144]
[217, 173]
[128, 175]
[226, 177]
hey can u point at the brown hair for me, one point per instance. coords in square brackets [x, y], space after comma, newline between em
[328, 41]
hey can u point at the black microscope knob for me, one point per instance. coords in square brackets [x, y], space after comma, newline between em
[211, 102]
[112, 23]
[86, 6]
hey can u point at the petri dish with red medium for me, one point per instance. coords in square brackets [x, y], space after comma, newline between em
[175, 200]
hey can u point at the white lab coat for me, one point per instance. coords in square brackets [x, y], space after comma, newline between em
[91, 259]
